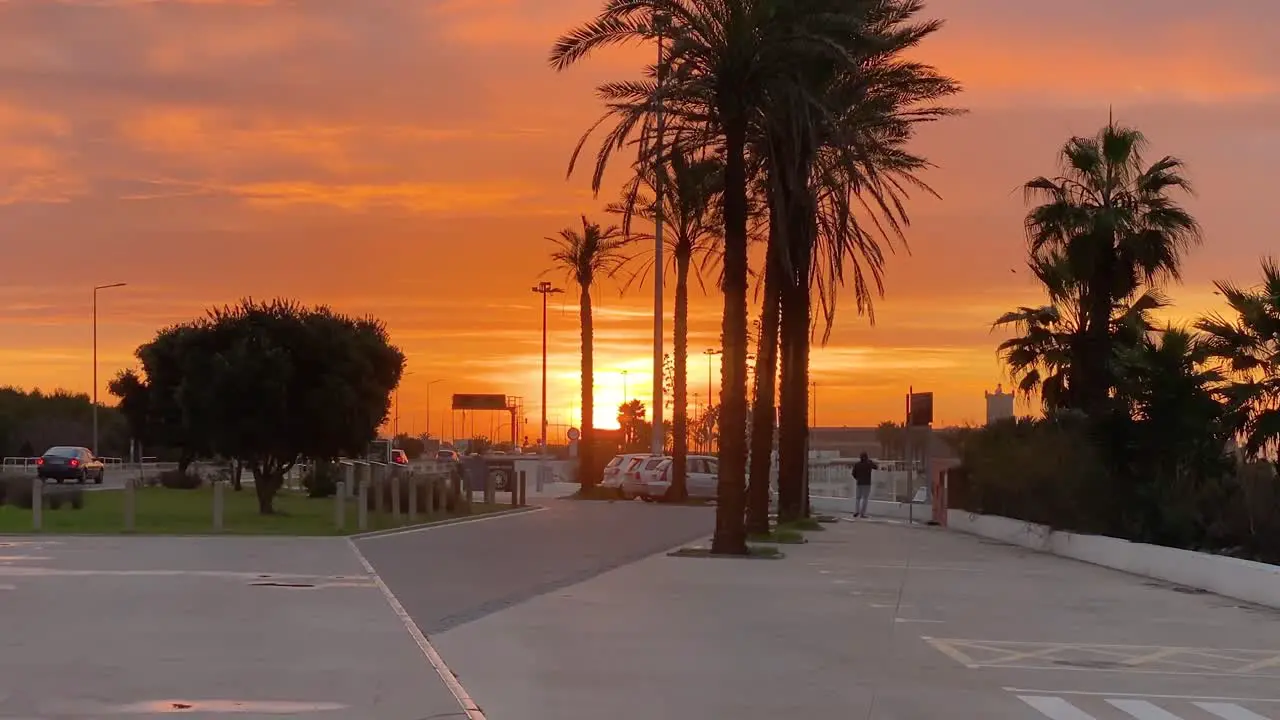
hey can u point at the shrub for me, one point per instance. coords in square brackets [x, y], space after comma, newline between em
[321, 481]
[177, 480]
[16, 492]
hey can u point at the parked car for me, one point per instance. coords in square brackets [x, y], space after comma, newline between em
[641, 471]
[70, 463]
[447, 456]
[620, 464]
[398, 457]
[702, 477]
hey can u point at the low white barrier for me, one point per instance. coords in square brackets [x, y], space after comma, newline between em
[1254, 582]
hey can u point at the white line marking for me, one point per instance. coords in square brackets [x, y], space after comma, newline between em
[1055, 708]
[1115, 671]
[1229, 711]
[498, 515]
[915, 620]
[1091, 693]
[951, 653]
[1142, 710]
[473, 711]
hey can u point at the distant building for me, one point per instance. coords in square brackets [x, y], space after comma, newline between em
[999, 405]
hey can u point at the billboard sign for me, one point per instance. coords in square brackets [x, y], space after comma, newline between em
[479, 402]
[921, 405]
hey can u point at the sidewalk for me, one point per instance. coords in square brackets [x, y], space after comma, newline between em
[871, 619]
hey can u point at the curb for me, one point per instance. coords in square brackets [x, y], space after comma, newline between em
[420, 527]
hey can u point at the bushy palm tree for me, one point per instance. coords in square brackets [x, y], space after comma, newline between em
[586, 255]
[690, 188]
[1249, 347]
[1039, 356]
[1109, 215]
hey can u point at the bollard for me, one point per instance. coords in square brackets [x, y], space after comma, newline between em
[217, 506]
[379, 479]
[490, 489]
[524, 489]
[339, 507]
[395, 498]
[37, 503]
[413, 499]
[362, 511]
[430, 504]
[349, 477]
[516, 482]
[130, 505]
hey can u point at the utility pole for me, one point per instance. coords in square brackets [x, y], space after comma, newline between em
[544, 289]
[710, 353]
[95, 360]
[660, 25]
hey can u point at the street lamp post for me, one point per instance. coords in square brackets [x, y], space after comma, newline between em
[433, 382]
[544, 289]
[660, 23]
[710, 353]
[96, 288]
[624, 388]
[395, 423]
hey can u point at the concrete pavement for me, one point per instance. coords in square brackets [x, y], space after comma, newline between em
[454, 574]
[871, 620]
[258, 627]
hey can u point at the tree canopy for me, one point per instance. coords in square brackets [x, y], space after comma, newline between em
[265, 383]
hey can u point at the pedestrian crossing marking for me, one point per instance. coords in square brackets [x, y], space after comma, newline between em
[1054, 707]
[1142, 710]
[1228, 711]
[1099, 657]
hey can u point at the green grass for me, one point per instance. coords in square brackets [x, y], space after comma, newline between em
[160, 511]
[803, 525]
[780, 535]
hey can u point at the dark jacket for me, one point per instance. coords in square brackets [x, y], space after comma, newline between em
[862, 471]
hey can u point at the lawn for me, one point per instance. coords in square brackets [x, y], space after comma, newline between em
[161, 511]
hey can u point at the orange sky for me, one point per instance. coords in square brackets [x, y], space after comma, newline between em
[406, 158]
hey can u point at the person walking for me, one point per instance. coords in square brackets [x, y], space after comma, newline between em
[862, 480]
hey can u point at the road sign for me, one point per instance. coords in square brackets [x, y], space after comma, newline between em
[479, 402]
[921, 405]
[573, 434]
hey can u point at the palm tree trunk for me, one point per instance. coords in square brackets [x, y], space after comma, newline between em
[1095, 376]
[680, 419]
[762, 424]
[586, 471]
[793, 419]
[730, 536]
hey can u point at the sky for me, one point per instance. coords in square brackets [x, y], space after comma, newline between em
[407, 159]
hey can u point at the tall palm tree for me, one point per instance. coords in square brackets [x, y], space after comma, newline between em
[688, 206]
[723, 55]
[1111, 217]
[1039, 355]
[586, 255]
[1249, 346]
[848, 153]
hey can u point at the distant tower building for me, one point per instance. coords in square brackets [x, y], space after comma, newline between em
[999, 405]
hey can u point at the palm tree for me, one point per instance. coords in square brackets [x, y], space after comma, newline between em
[1039, 355]
[724, 54]
[847, 153]
[1109, 215]
[1249, 348]
[584, 256]
[688, 207]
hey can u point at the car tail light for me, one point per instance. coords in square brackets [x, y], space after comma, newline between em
[74, 463]
[39, 461]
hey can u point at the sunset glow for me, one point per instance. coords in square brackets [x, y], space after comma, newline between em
[407, 160]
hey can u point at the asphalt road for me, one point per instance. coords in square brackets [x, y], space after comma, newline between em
[451, 575]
